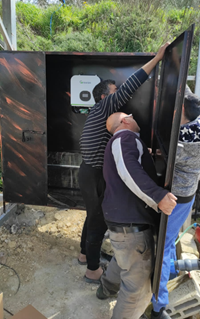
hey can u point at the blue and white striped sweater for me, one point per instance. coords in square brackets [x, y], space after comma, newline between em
[95, 136]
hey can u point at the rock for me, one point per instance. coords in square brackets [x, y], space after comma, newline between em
[60, 225]
[58, 216]
[12, 244]
[13, 229]
[188, 244]
[68, 224]
[71, 247]
[53, 229]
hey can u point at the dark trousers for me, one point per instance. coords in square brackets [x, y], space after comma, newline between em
[92, 186]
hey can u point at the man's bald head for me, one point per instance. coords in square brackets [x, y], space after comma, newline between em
[114, 121]
[119, 121]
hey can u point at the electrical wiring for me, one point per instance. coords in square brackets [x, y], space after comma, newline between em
[10, 313]
[4, 265]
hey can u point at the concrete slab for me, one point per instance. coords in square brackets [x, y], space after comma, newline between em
[10, 209]
[184, 296]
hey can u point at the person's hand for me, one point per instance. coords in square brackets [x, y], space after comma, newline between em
[167, 204]
[161, 51]
[148, 67]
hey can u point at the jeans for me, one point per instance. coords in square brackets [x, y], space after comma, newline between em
[92, 187]
[175, 222]
[129, 272]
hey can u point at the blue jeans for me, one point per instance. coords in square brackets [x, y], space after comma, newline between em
[175, 222]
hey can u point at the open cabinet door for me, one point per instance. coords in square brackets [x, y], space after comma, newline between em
[23, 127]
[168, 116]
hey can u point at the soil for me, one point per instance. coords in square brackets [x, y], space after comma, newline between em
[41, 246]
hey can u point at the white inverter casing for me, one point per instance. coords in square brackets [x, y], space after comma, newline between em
[81, 90]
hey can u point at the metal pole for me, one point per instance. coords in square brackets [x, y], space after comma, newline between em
[9, 20]
[197, 85]
[7, 43]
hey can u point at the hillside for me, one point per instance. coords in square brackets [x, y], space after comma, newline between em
[105, 26]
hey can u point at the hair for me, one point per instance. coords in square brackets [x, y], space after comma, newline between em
[102, 88]
[192, 106]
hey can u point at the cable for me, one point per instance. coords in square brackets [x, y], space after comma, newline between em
[10, 313]
[57, 201]
[195, 225]
[52, 17]
[15, 274]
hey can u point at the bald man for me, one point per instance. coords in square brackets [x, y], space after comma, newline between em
[130, 207]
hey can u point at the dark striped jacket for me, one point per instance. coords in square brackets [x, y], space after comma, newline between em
[95, 136]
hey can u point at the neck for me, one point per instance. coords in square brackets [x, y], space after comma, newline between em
[184, 120]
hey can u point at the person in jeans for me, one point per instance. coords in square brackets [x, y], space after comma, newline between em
[130, 207]
[184, 186]
[93, 141]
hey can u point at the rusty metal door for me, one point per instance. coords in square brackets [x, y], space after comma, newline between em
[23, 127]
[168, 116]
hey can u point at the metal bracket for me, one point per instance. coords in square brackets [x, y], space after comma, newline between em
[27, 135]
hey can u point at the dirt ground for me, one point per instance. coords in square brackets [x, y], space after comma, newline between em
[43, 249]
[42, 245]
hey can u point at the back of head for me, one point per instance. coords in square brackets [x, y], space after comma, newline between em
[191, 106]
[114, 121]
[102, 88]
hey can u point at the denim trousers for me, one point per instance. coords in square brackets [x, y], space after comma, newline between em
[129, 272]
[92, 186]
[175, 222]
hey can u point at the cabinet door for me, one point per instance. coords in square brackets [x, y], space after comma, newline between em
[168, 116]
[23, 127]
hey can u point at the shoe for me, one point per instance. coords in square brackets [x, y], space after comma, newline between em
[91, 281]
[100, 294]
[162, 314]
[82, 263]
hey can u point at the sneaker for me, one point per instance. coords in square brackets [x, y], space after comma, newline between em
[162, 314]
[101, 295]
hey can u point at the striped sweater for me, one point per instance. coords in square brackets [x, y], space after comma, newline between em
[95, 136]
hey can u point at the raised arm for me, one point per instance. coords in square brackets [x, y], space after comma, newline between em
[113, 102]
[148, 67]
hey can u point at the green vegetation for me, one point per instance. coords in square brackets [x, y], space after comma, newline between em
[106, 26]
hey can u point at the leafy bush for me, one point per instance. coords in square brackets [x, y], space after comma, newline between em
[106, 25]
[78, 41]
